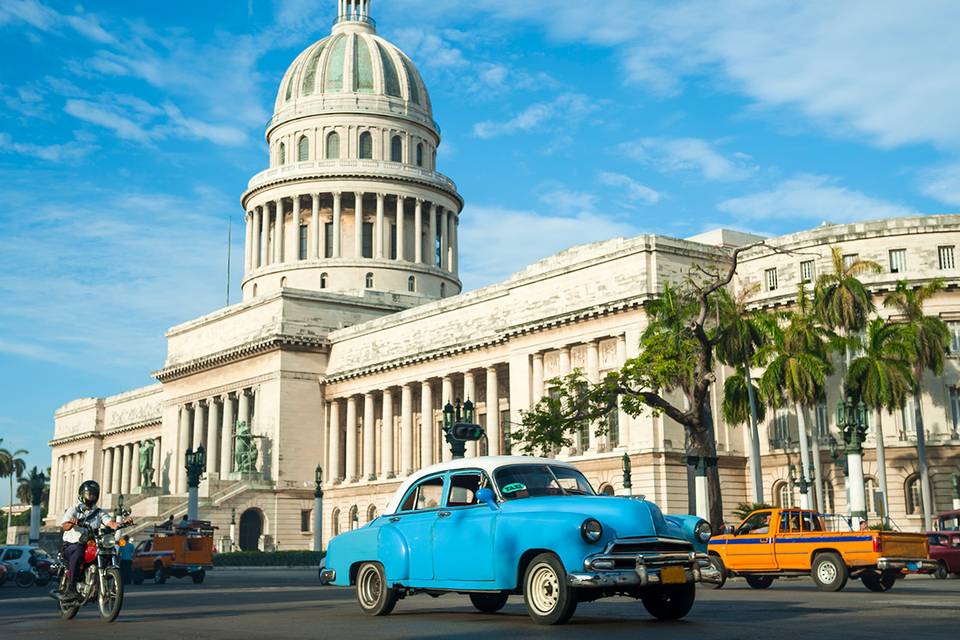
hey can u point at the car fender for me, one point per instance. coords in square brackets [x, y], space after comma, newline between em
[558, 533]
[349, 549]
[394, 554]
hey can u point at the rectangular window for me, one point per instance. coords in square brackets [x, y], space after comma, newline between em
[823, 422]
[482, 444]
[849, 259]
[393, 242]
[945, 254]
[328, 242]
[506, 446]
[613, 428]
[305, 520]
[303, 242]
[781, 429]
[898, 260]
[955, 409]
[770, 277]
[806, 271]
[367, 239]
[907, 413]
[954, 347]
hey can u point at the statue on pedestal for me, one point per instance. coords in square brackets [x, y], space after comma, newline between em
[146, 464]
[245, 451]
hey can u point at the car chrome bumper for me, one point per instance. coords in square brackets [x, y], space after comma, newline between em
[601, 570]
[912, 565]
[327, 576]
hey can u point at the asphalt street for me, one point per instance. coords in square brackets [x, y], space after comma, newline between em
[291, 604]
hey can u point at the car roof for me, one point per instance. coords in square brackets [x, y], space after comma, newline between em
[486, 463]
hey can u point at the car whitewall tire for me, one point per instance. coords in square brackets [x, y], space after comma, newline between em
[373, 594]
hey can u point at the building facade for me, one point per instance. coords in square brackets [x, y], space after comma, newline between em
[353, 333]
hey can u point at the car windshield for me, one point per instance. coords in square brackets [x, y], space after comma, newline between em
[40, 553]
[533, 480]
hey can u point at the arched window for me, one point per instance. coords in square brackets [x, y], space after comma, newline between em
[411, 284]
[443, 289]
[371, 513]
[353, 518]
[335, 521]
[254, 289]
[369, 281]
[283, 282]
[870, 493]
[912, 493]
[281, 153]
[333, 145]
[396, 149]
[366, 146]
[323, 280]
[420, 154]
[783, 494]
[303, 149]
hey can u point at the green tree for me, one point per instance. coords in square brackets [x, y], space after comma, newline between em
[928, 338]
[882, 377]
[841, 300]
[33, 488]
[11, 466]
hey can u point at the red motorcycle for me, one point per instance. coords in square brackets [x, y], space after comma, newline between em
[99, 577]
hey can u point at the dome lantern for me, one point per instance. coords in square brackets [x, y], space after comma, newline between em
[354, 13]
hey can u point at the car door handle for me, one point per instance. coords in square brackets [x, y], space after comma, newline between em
[443, 514]
[395, 519]
[764, 540]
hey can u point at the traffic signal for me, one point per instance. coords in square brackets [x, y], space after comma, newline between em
[466, 432]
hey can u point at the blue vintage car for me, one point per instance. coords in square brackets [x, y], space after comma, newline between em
[496, 526]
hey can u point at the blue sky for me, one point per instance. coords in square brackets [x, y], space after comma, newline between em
[128, 131]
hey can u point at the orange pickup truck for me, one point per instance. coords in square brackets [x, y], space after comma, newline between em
[180, 552]
[772, 543]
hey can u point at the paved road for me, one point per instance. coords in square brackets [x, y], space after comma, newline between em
[290, 604]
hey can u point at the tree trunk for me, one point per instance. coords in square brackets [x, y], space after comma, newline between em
[882, 468]
[817, 473]
[756, 471]
[804, 457]
[713, 471]
[926, 497]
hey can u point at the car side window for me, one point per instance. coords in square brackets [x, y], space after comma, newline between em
[13, 554]
[463, 489]
[425, 495]
[757, 523]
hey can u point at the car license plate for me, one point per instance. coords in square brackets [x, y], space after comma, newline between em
[672, 575]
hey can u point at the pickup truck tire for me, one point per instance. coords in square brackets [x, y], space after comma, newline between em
[942, 572]
[717, 564]
[879, 582]
[829, 572]
[669, 602]
[759, 582]
[549, 599]
[159, 573]
[373, 594]
[198, 576]
[488, 602]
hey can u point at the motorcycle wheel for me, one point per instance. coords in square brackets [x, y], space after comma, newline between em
[110, 597]
[67, 611]
[24, 579]
[43, 578]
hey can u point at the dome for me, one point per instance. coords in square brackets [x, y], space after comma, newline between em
[353, 69]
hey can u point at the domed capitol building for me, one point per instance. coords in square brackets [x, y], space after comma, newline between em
[353, 332]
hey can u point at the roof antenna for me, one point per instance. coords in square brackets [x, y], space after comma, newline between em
[229, 247]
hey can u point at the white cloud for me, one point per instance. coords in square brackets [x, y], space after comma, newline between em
[633, 191]
[942, 184]
[569, 108]
[66, 152]
[43, 18]
[110, 118]
[689, 154]
[811, 198]
[560, 199]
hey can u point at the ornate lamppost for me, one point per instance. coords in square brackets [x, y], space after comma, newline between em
[233, 528]
[852, 421]
[460, 427]
[196, 464]
[627, 473]
[37, 486]
[318, 509]
[955, 483]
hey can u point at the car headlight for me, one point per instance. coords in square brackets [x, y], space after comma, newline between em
[703, 531]
[591, 530]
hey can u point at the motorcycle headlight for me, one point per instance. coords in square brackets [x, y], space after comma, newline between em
[703, 531]
[591, 530]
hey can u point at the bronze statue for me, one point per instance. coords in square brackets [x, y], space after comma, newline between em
[245, 451]
[146, 464]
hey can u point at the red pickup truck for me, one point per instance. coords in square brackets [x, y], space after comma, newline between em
[945, 549]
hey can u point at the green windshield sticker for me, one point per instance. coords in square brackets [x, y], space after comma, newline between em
[514, 487]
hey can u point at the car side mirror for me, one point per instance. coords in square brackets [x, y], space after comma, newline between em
[487, 497]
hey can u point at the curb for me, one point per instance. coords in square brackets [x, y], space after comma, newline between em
[276, 568]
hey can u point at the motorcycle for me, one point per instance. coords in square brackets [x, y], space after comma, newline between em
[5, 571]
[99, 573]
[38, 574]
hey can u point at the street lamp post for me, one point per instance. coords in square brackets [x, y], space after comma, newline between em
[627, 474]
[196, 464]
[233, 528]
[955, 482]
[459, 427]
[851, 418]
[318, 509]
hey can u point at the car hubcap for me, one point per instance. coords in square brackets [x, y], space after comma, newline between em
[544, 589]
[370, 587]
[827, 572]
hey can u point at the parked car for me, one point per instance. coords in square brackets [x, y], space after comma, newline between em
[771, 543]
[949, 520]
[180, 552]
[496, 526]
[27, 565]
[945, 549]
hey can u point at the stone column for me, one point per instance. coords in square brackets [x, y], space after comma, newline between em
[358, 225]
[447, 396]
[336, 224]
[386, 434]
[264, 245]
[454, 244]
[623, 420]
[315, 225]
[118, 463]
[432, 240]
[296, 228]
[400, 229]
[418, 232]
[470, 393]
[128, 467]
[198, 416]
[369, 439]
[278, 233]
[226, 436]
[426, 424]
[108, 470]
[183, 443]
[378, 231]
[157, 462]
[493, 412]
[351, 475]
[593, 376]
[406, 429]
[536, 392]
[333, 447]
[213, 428]
[247, 241]
[444, 241]
[135, 468]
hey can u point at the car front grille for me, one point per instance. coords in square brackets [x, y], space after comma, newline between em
[648, 545]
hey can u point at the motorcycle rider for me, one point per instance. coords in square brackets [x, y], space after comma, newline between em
[85, 513]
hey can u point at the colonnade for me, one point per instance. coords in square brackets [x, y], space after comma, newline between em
[67, 474]
[211, 422]
[266, 230]
[120, 471]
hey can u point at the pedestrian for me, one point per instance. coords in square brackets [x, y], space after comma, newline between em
[126, 560]
[184, 522]
[168, 524]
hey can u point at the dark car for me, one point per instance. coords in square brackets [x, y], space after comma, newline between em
[945, 549]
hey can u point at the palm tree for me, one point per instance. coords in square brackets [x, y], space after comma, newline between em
[798, 364]
[12, 466]
[883, 379]
[928, 338]
[840, 300]
[740, 332]
[34, 490]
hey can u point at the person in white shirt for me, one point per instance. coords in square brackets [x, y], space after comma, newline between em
[87, 515]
